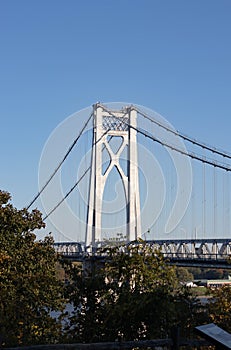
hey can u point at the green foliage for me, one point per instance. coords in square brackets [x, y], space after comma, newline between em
[220, 307]
[134, 295]
[200, 273]
[137, 280]
[184, 275]
[83, 292]
[30, 289]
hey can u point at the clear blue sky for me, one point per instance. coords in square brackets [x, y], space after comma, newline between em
[58, 57]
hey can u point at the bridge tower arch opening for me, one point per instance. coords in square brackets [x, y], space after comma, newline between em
[108, 124]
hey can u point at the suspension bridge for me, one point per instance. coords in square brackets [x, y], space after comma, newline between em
[126, 174]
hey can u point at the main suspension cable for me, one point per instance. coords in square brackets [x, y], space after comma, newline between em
[174, 148]
[81, 177]
[67, 194]
[145, 134]
[61, 163]
[186, 137]
[188, 154]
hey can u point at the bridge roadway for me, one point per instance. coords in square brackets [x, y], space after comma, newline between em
[208, 253]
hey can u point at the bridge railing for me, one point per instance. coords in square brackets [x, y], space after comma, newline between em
[211, 249]
[187, 251]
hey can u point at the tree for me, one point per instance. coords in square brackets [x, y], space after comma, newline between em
[85, 292]
[133, 295]
[138, 281]
[219, 307]
[184, 275]
[148, 300]
[30, 290]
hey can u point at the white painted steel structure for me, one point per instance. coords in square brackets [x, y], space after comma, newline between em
[198, 253]
[111, 124]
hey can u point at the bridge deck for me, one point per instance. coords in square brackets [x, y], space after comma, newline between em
[209, 253]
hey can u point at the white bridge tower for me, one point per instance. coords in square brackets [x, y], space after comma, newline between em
[120, 123]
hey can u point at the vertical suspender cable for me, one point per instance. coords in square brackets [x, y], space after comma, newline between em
[214, 201]
[228, 204]
[204, 201]
[193, 205]
[223, 205]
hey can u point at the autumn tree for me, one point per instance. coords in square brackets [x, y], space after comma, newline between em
[30, 290]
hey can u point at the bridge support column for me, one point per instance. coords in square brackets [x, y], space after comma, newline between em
[120, 123]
